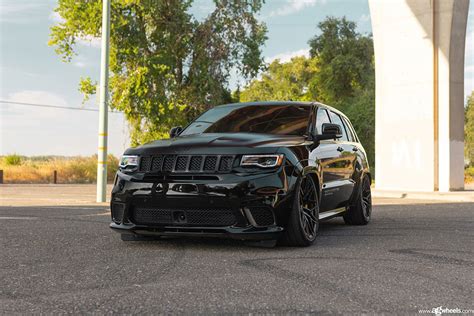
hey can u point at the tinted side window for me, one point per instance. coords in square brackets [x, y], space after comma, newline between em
[350, 130]
[336, 119]
[321, 118]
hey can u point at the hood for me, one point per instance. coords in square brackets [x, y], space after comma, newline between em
[215, 142]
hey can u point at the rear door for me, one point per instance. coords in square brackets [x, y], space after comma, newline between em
[345, 163]
[331, 171]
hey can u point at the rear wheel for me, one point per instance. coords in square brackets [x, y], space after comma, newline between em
[303, 223]
[359, 213]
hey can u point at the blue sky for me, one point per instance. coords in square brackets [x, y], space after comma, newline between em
[30, 71]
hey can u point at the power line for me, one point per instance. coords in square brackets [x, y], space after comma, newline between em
[54, 106]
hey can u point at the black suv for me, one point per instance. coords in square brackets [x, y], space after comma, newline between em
[254, 171]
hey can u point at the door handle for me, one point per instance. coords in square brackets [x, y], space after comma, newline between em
[340, 149]
[355, 149]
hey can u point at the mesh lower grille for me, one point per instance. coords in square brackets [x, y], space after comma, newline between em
[117, 212]
[263, 216]
[152, 216]
[197, 217]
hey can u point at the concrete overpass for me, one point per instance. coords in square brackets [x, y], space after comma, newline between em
[419, 64]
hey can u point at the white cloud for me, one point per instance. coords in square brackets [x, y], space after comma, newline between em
[287, 56]
[55, 17]
[79, 64]
[364, 18]
[470, 43]
[19, 13]
[37, 96]
[30, 130]
[294, 6]
[12, 7]
[89, 41]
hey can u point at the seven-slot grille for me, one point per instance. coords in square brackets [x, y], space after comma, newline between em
[186, 163]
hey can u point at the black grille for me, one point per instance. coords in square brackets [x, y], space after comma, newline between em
[210, 163]
[226, 163]
[152, 216]
[195, 164]
[145, 163]
[156, 164]
[181, 163]
[263, 216]
[186, 163]
[168, 163]
[196, 217]
[117, 212]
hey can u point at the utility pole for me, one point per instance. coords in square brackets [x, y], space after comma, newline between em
[103, 105]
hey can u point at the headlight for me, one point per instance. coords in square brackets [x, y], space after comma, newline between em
[263, 161]
[127, 160]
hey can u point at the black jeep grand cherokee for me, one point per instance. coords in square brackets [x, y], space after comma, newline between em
[258, 171]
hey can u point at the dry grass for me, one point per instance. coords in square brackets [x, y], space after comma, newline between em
[41, 169]
[22, 169]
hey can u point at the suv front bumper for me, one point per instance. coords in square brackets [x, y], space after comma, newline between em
[186, 207]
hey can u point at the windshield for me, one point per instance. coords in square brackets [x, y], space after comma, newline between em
[268, 119]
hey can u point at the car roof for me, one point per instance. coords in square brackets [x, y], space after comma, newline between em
[295, 103]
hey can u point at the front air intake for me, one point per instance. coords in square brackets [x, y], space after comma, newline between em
[186, 163]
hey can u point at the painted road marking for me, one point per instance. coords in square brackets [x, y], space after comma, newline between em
[18, 217]
[99, 214]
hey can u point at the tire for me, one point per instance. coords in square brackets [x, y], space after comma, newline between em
[303, 222]
[360, 212]
[130, 237]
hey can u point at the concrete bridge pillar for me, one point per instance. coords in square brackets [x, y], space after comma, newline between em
[419, 63]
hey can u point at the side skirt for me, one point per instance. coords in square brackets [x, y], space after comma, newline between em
[332, 213]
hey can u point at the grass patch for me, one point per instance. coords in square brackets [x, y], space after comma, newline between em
[41, 169]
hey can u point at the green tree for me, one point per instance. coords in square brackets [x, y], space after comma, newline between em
[282, 81]
[346, 75]
[340, 73]
[469, 130]
[166, 66]
[344, 59]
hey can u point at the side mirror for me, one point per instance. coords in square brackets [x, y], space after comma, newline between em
[175, 131]
[329, 131]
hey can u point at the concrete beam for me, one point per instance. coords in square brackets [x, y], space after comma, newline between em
[419, 64]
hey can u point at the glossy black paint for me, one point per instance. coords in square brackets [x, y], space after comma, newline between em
[336, 165]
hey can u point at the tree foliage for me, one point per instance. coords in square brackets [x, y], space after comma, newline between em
[283, 81]
[469, 130]
[344, 58]
[340, 73]
[166, 66]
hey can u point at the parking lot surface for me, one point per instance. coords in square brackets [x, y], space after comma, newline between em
[61, 257]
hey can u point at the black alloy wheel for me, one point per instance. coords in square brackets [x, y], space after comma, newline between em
[360, 211]
[308, 208]
[303, 223]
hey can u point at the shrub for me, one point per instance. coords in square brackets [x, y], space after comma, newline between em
[12, 160]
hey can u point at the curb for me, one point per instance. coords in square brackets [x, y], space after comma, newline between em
[461, 196]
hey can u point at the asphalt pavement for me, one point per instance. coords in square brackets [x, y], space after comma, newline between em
[64, 259]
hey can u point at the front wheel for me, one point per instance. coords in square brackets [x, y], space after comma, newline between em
[303, 223]
[359, 213]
